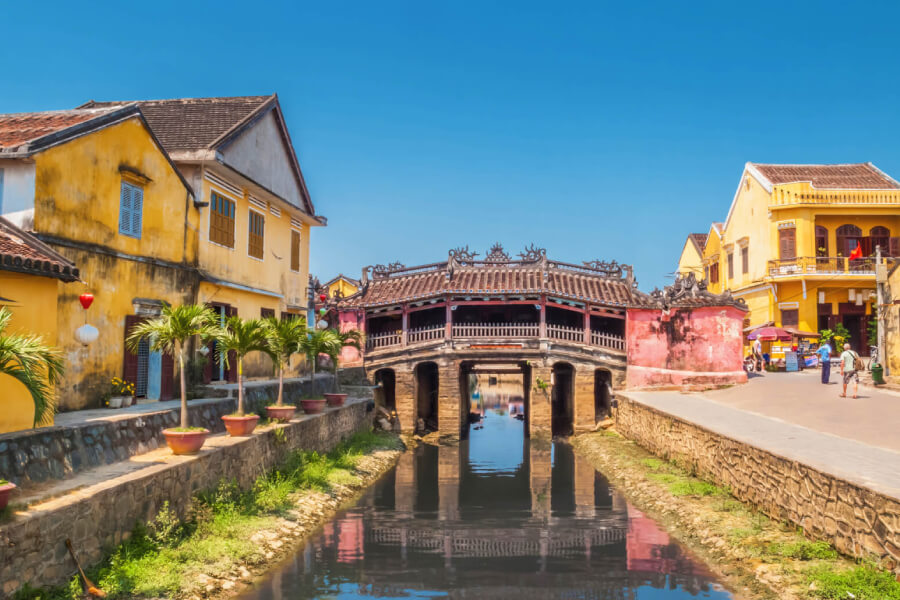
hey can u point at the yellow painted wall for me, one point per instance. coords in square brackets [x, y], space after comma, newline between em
[77, 198]
[712, 253]
[891, 323]
[748, 223]
[345, 287]
[33, 298]
[690, 260]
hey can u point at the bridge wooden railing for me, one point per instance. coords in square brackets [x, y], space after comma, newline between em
[565, 333]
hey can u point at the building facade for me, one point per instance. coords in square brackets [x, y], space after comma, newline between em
[799, 245]
[31, 275]
[691, 259]
[174, 201]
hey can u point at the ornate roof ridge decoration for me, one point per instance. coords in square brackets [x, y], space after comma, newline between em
[533, 254]
[611, 268]
[388, 269]
[688, 291]
[462, 254]
[496, 254]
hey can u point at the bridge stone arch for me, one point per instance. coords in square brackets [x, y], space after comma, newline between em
[562, 398]
[603, 387]
[386, 380]
[427, 386]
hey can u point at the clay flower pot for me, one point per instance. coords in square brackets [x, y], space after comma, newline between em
[336, 399]
[281, 413]
[312, 406]
[185, 442]
[5, 490]
[240, 426]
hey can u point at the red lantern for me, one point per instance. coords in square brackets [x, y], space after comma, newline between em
[86, 300]
[323, 297]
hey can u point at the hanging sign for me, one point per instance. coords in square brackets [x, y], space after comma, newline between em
[790, 362]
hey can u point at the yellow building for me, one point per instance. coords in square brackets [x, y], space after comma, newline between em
[254, 212]
[30, 277]
[786, 244]
[96, 186]
[891, 322]
[173, 201]
[691, 259]
[341, 286]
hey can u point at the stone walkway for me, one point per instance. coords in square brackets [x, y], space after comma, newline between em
[731, 413]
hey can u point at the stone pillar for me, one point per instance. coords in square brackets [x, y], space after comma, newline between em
[448, 483]
[405, 398]
[584, 398]
[584, 487]
[539, 413]
[449, 408]
[405, 485]
[540, 465]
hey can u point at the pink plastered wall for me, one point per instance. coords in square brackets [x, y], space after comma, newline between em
[684, 346]
[347, 321]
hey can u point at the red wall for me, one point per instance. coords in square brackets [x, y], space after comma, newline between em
[685, 346]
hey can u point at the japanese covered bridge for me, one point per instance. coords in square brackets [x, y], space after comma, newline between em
[565, 328]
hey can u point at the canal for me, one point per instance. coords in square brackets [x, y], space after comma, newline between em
[495, 517]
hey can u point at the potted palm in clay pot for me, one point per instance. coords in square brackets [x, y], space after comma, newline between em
[314, 344]
[353, 339]
[241, 337]
[282, 338]
[38, 367]
[171, 332]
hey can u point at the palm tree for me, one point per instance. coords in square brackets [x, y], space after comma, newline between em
[283, 337]
[36, 366]
[242, 337]
[316, 342]
[353, 339]
[170, 332]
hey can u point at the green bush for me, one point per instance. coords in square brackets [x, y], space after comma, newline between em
[864, 582]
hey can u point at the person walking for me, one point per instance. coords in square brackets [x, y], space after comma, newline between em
[758, 355]
[824, 353]
[849, 369]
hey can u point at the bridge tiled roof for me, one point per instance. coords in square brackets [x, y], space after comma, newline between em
[600, 283]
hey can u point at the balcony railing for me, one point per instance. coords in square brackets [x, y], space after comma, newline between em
[568, 334]
[495, 330]
[607, 340]
[564, 333]
[383, 340]
[824, 265]
[425, 334]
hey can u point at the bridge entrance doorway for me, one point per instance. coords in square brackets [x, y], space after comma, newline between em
[562, 399]
[495, 391]
[427, 389]
[386, 382]
[602, 393]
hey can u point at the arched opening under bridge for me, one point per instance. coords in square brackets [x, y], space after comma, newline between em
[386, 380]
[562, 399]
[427, 388]
[602, 393]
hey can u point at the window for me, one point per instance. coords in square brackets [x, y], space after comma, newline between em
[731, 265]
[714, 272]
[745, 260]
[790, 318]
[787, 243]
[265, 313]
[848, 238]
[821, 241]
[221, 220]
[257, 230]
[881, 236]
[131, 208]
[295, 250]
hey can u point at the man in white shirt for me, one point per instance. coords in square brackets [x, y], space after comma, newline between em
[848, 370]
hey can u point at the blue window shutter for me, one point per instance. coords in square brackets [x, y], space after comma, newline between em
[125, 210]
[137, 210]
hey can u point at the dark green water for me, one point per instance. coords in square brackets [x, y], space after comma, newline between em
[496, 517]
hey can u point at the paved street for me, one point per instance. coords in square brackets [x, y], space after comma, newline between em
[800, 398]
[789, 415]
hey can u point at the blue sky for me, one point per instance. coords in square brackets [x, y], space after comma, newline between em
[596, 131]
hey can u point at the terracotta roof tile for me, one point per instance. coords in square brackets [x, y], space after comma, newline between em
[20, 128]
[699, 240]
[514, 279]
[193, 123]
[858, 176]
[23, 253]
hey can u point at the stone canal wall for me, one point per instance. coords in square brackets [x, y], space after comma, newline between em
[110, 436]
[856, 520]
[98, 517]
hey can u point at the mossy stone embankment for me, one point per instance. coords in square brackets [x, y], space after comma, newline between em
[232, 535]
[756, 557]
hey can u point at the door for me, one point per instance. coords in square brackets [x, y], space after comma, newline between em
[154, 376]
